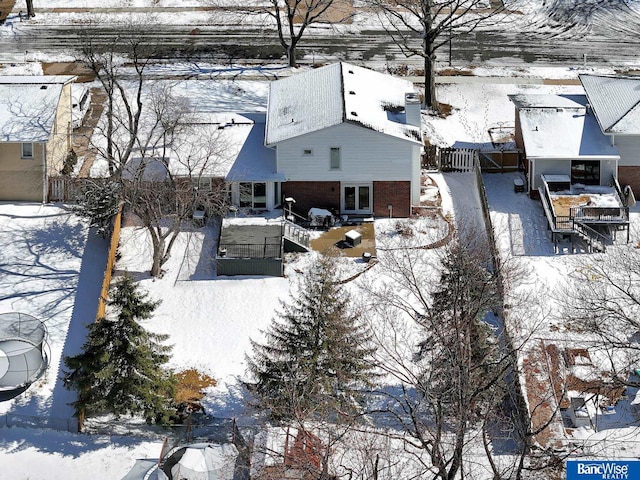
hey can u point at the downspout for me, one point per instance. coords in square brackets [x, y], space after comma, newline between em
[44, 173]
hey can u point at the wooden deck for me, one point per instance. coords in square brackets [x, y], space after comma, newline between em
[6, 6]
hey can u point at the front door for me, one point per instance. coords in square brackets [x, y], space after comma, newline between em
[356, 198]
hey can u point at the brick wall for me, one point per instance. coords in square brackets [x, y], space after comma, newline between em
[327, 195]
[397, 194]
[312, 194]
[630, 176]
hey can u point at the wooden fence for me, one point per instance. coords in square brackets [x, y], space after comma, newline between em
[500, 161]
[113, 247]
[64, 189]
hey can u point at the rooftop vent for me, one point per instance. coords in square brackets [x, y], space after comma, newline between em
[43, 87]
[351, 92]
[355, 114]
[350, 71]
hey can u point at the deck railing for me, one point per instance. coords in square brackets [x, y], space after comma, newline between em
[295, 233]
[268, 249]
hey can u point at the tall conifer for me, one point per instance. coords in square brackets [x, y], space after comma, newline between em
[120, 369]
[316, 356]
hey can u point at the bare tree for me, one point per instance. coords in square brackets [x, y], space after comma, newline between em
[602, 300]
[293, 17]
[422, 27]
[165, 160]
[445, 345]
[120, 67]
[179, 170]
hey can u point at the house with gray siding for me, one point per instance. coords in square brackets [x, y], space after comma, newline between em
[589, 137]
[559, 136]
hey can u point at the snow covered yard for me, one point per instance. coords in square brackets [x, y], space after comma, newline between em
[51, 268]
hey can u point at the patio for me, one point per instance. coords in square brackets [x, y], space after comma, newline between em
[335, 237]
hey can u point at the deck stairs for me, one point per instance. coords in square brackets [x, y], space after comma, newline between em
[582, 235]
[296, 237]
[594, 240]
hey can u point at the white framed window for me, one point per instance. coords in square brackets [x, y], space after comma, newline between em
[307, 152]
[253, 195]
[334, 158]
[27, 151]
[202, 184]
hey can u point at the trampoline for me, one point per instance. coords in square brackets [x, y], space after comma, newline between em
[23, 358]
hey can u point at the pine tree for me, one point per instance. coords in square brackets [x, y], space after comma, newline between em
[98, 200]
[460, 348]
[119, 370]
[316, 357]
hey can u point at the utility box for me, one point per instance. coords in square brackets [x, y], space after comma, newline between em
[353, 238]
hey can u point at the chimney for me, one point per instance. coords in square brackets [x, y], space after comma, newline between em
[412, 109]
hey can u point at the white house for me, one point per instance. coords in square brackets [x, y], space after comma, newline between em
[339, 137]
[347, 139]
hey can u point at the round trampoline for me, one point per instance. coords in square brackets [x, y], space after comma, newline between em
[22, 351]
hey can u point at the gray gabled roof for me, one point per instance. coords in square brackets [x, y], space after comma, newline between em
[335, 94]
[615, 101]
[558, 127]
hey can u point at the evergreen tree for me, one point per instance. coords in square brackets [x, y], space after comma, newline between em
[316, 357]
[98, 200]
[459, 345]
[119, 370]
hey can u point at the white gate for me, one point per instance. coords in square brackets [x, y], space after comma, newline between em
[458, 159]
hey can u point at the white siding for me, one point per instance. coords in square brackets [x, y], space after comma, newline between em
[366, 156]
[629, 150]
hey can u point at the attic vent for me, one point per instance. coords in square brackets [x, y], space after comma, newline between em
[351, 92]
[43, 87]
[559, 110]
[355, 114]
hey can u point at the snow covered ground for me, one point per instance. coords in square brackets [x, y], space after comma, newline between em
[52, 266]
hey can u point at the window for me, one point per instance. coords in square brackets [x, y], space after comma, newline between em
[202, 184]
[334, 158]
[586, 172]
[27, 150]
[253, 195]
[307, 152]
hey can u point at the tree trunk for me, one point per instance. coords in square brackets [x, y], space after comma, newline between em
[291, 54]
[430, 100]
[30, 12]
[81, 415]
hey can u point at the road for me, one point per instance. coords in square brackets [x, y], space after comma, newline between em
[607, 36]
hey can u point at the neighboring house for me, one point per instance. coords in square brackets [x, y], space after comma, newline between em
[588, 137]
[559, 136]
[35, 133]
[346, 139]
[615, 102]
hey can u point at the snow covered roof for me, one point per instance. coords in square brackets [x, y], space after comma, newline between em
[28, 106]
[228, 145]
[558, 126]
[615, 100]
[327, 96]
